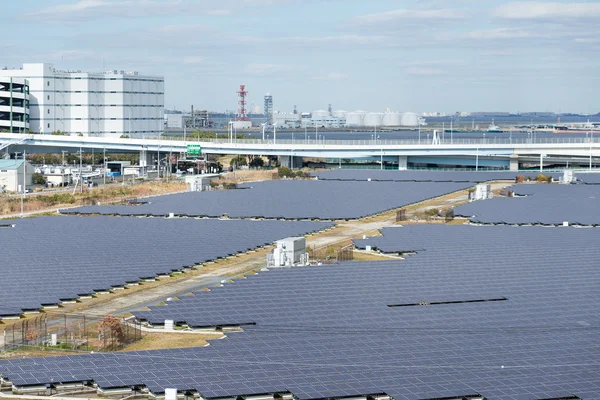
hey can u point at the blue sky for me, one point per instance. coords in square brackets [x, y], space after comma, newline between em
[412, 55]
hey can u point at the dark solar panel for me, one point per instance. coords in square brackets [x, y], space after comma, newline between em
[423, 176]
[49, 259]
[542, 204]
[327, 331]
[307, 199]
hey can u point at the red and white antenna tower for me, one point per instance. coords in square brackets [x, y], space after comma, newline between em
[242, 112]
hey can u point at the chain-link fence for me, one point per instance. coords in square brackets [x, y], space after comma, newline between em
[331, 254]
[71, 332]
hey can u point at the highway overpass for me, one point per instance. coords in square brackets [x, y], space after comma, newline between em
[468, 152]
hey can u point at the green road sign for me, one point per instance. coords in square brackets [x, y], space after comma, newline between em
[194, 149]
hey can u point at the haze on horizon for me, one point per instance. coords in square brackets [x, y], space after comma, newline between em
[432, 55]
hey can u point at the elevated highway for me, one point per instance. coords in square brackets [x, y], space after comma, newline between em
[468, 152]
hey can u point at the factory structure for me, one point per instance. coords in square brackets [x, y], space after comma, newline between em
[39, 98]
[247, 116]
[345, 119]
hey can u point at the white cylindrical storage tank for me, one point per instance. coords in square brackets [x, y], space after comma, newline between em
[373, 119]
[340, 113]
[410, 119]
[318, 114]
[355, 118]
[391, 119]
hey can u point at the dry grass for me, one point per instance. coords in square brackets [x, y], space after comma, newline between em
[157, 341]
[248, 175]
[49, 202]
[360, 256]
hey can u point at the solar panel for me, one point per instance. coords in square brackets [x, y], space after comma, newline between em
[541, 204]
[327, 331]
[423, 176]
[51, 259]
[290, 199]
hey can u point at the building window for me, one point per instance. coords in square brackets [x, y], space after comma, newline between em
[48, 97]
[48, 111]
[48, 125]
[48, 83]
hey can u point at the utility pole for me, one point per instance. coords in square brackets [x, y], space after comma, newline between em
[24, 182]
[80, 170]
[104, 170]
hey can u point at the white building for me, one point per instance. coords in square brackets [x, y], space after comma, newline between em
[284, 120]
[12, 175]
[14, 104]
[324, 121]
[174, 121]
[113, 103]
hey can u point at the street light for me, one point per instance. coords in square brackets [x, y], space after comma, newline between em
[263, 130]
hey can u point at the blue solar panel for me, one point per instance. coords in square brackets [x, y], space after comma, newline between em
[291, 199]
[423, 176]
[541, 204]
[46, 260]
[328, 331]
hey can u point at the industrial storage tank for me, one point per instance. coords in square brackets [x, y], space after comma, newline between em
[355, 118]
[373, 119]
[318, 114]
[340, 114]
[410, 119]
[391, 119]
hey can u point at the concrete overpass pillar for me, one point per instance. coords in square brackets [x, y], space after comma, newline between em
[291, 161]
[402, 163]
[514, 162]
[146, 158]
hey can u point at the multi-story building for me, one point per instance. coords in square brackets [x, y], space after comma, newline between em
[14, 105]
[114, 103]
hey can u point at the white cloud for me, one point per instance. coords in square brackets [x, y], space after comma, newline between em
[408, 14]
[587, 40]
[183, 28]
[349, 39]
[427, 71]
[548, 10]
[193, 60]
[95, 9]
[332, 76]
[269, 69]
[503, 33]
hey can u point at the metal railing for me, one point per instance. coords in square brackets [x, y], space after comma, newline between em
[391, 142]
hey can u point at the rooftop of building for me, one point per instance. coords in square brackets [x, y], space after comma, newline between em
[10, 164]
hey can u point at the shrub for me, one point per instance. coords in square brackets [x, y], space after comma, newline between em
[57, 198]
[520, 179]
[285, 172]
[38, 179]
[542, 178]
[257, 162]
[229, 185]
[238, 161]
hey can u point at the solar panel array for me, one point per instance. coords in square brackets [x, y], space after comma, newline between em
[48, 260]
[328, 331]
[423, 176]
[592, 178]
[543, 204]
[288, 199]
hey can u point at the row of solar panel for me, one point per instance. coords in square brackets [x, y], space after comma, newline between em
[289, 199]
[327, 331]
[425, 176]
[543, 204]
[48, 260]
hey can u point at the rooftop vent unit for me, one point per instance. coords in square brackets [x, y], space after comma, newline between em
[568, 176]
[482, 192]
[290, 252]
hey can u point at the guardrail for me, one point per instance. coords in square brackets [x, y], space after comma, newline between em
[390, 142]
